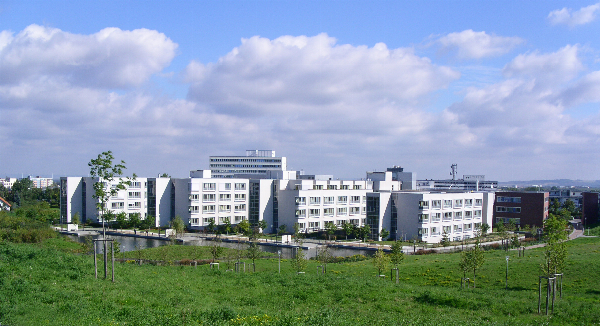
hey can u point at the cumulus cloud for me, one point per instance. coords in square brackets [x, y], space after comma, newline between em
[558, 66]
[566, 16]
[469, 44]
[111, 58]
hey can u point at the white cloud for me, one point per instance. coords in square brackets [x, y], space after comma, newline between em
[566, 16]
[111, 58]
[476, 45]
[555, 67]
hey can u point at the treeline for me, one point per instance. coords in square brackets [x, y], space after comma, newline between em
[23, 193]
[29, 224]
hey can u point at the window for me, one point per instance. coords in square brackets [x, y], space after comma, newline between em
[301, 213]
[194, 209]
[329, 200]
[301, 225]
[435, 231]
[458, 203]
[227, 186]
[504, 209]
[457, 228]
[504, 199]
[135, 205]
[447, 229]
[195, 197]
[331, 187]
[436, 217]
[458, 215]
[468, 215]
[355, 200]
[354, 210]
[342, 199]
[447, 204]
[477, 214]
[423, 204]
[423, 218]
[209, 186]
[355, 222]
[240, 186]
[436, 204]
[224, 208]
[423, 232]
[224, 197]
[207, 220]
[314, 225]
[478, 202]
[195, 221]
[208, 198]
[208, 209]
[300, 200]
[344, 187]
[468, 202]
[317, 187]
[342, 211]
[135, 185]
[118, 205]
[240, 197]
[468, 227]
[447, 216]
[134, 194]
[314, 212]
[315, 200]
[328, 211]
[240, 208]
[357, 187]
[239, 218]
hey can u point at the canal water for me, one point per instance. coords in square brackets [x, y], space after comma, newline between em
[133, 243]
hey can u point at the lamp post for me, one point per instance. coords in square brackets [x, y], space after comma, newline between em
[506, 283]
[279, 254]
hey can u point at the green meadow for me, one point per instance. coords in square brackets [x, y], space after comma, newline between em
[52, 283]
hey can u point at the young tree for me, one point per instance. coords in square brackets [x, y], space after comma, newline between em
[330, 228]
[134, 220]
[384, 234]
[396, 256]
[555, 252]
[299, 262]
[282, 229]
[120, 220]
[244, 227]
[324, 255]
[211, 225]
[484, 228]
[178, 225]
[76, 219]
[216, 250]
[262, 224]
[364, 232]
[253, 252]
[380, 260]
[472, 259]
[445, 241]
[226, 226]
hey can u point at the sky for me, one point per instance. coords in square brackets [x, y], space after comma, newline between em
[508, 89]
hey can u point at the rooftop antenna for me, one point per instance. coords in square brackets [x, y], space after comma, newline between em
[454, 168]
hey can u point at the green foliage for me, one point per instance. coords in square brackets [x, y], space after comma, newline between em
[380, 260]
[555, 252]
[76, 219]
[216, 250]
[484, 228]
[253, 252]
[19, 228]
[178, 225]
[445, 241]
[363, 232]
[226, 226]
[330, 228]
[282, 229]
[244, 227]
[348, 228]
[471, 260]
[324, 256]
[396, 254]
[211, 226]
[384, 234]
[262, 224]
[299, 262]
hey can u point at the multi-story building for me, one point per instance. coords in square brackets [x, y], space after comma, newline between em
[467, 183]
[8, 182]
[201, 199]
[42, 183]
[523, 208]
[589, 208]
[427, 215]
[256, 164]
[562, 195]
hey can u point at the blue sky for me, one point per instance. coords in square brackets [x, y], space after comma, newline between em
[509, 89]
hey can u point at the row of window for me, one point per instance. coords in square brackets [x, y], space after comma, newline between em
[504, 209]
[331, 200]
[212, 197]
[211, 186]
[121, 205]
[338, 223]
[333, 187]
[449, 203]
[449, 216]
[195, 221]
[212, 208]
[450, 229]
[341, 211]
[505, 199]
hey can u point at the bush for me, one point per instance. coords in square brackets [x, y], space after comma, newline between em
[425, 252]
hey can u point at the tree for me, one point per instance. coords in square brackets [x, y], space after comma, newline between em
[104, 188]
[262, 224]
[253, 252]
[281, 230]
[380, 260]
[396, 255]
[348, 227]
[445, 241]
[165, 175]
[330, 228]
[178, 225]
[364, 232]
[324, 255]
[555, 251]
[134, 220]
[244, 227]
[512, 225]
[216, 250]
[148, 222]
[76, 219]
[120, 220]
[384, 234]
[299, 262]
[211, 225]
[484, 228]
[226, 226]
[472, 259]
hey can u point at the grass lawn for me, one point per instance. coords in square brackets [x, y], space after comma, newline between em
[49, 285]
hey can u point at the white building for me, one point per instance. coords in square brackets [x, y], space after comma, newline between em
[8, 182]
[201, 198]
[42, 183]
[256, 164]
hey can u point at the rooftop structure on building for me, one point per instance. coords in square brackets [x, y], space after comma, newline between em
[255, 164]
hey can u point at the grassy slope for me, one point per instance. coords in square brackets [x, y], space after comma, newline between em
[44, 286]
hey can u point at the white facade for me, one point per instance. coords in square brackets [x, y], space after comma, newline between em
[42, 183]
[427, 215]
[8, 182]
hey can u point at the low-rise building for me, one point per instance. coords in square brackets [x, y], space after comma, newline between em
[523, 208]
[4, 205]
